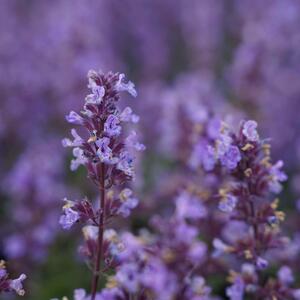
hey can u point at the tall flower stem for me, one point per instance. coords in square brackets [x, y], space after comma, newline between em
[97, 265]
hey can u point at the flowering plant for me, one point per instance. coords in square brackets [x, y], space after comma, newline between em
[108, 156]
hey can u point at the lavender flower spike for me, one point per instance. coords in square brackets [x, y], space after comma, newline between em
[109, 160]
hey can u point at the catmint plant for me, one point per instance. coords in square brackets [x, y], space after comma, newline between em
[249, 198]
[165, 263]
[108, 154]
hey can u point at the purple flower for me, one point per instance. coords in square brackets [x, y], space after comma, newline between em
[189, 207]
[80, 294]
[209, 158]
[110, 294]
[127, 116]
[277, 176]
[122, 86]
[111, 126]
[90, 232]
[203, 155]
[104, 152]
[231, 157]
[199, 288]
[3, 272]
[220, 247]
[185, 233]
[250, 132]
[116, 247]
[285, 275]
[74, 118]
[214, 128]
[132, 142]
[163, 284]
[17, 285]
[228, 203]
[97, 91]
[125, 163]
[75, 143]
[127, 203]
[128, 276]
[223, 144]
[236, 291]
[80, 159]
[261, 263]
[69, 218]
[197, 251]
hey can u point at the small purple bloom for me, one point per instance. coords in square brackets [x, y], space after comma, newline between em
[132, 142]
[127, 116]
[125, 163]
[199, 288]
[184, 232]
[214, 128]
[220, 247]
[75, 143]
[127, 206]
[111, 126]
[122, 86]
[80, 159]
[97, 94]
[273, 220]
[74, 118]
[231, 158]
[110, 294]
[80, 294]
[90, 232]
[104, 152]
[189, 207]
[69, 217]
[3, 272]
[127, 203]
[277, 173]
[277, 176]
[197, 251]
[250, 132]
[128, 276]
[261, 263]
[223, 144]
[285, 275]
[209, 158]
[17, 285]
[203, 155]
[228, 203]
[236, 291]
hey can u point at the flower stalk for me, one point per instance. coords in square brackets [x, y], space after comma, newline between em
[108, 155]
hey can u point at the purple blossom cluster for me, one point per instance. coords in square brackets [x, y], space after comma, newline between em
[240, 200]
[108, 154]
[249, 199]
[209, 224]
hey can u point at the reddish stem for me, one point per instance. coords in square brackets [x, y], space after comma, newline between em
[97, 265]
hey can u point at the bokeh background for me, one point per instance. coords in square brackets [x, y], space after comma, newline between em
[240, 58]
